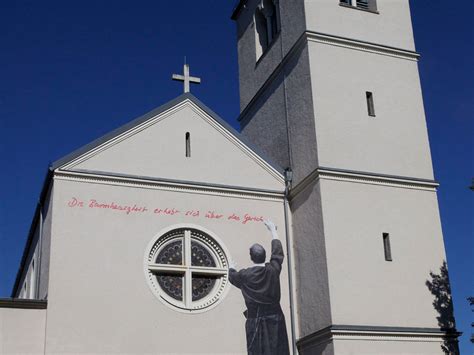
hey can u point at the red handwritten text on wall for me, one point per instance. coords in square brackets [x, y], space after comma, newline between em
[166, 211]
[136, 209]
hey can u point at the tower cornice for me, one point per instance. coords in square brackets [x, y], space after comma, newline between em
[363, 177]
[378, 333]
[361, 45]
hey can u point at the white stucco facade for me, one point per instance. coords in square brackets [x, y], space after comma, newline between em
[395, 141]
[22, 331]
[104, 250]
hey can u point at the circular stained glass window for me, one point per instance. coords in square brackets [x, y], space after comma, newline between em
[187, 269]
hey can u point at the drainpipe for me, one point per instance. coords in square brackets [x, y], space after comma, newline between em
[289, 252]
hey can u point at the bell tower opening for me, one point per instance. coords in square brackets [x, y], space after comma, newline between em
[266, 20]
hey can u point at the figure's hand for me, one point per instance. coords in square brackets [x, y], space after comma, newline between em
[270, 226]
[232, 265]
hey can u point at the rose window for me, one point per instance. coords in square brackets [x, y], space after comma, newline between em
[187, 269]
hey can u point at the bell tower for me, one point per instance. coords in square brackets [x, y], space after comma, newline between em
[331, 90]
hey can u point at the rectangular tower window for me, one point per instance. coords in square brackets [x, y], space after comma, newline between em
[370, 103]
[386, 246]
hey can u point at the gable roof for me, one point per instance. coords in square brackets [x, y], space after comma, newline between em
[157, 111]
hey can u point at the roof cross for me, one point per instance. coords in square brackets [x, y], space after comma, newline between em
[186, 78]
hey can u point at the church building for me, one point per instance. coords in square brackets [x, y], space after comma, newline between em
[131, 244]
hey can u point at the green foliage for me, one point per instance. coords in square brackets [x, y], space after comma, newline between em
[440, 288]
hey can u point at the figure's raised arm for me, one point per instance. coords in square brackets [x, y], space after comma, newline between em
[277, 249]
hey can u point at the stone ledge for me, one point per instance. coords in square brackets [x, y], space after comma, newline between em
[23, 303]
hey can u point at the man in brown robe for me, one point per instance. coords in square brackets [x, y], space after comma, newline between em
[260, 285]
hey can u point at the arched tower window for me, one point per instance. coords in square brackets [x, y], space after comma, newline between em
[267, 25]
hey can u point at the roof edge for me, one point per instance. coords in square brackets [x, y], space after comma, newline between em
[23, 303]
[235, 13]
[169, 182]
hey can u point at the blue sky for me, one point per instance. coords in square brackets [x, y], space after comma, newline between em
[72, 71]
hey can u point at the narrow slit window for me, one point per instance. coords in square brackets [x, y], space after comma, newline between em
[370, 103]
[187, 139]
[386, 247]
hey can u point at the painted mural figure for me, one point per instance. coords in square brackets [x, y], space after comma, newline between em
[260, 285]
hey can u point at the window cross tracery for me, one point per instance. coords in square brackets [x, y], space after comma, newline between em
[187, 271]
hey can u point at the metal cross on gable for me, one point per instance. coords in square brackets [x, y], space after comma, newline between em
[186, 78]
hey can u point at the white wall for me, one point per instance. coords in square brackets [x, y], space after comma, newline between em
[99, 300]
[395, 141]
[157, 149]
[364, 288]
[22, 331]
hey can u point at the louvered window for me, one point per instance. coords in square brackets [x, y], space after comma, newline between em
[363, 4]
[369, 5]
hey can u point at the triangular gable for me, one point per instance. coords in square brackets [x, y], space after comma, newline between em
[153, 146]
